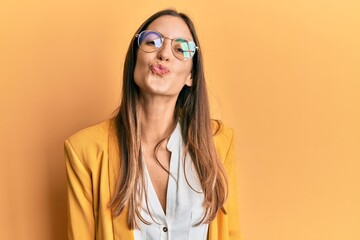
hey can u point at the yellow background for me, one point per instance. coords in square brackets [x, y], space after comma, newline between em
[284, 74]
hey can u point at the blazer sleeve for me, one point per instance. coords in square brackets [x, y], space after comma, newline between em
[233, 210]
[81, 223]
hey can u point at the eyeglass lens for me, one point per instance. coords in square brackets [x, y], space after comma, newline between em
[150, 41]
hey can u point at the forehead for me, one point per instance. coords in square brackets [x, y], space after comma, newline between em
[171, 27]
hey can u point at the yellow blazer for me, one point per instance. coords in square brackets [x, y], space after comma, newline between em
[92, 165]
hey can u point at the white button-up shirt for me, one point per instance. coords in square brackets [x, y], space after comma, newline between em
[183, 204]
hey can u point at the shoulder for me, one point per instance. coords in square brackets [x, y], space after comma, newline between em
[90, 140]
[91, 134]
[223, 138]
[222, 132]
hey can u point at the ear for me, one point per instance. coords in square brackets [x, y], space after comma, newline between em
[188, 80]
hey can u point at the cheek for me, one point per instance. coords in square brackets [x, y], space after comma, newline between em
[140, 67]
[185, 69]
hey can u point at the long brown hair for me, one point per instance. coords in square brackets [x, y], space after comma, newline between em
[197, 129]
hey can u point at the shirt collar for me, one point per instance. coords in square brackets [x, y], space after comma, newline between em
[175, 138]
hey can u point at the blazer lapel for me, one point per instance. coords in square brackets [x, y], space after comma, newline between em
[120, 228]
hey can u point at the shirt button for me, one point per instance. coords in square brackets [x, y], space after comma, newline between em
[165, 229]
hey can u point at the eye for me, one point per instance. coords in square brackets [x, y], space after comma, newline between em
[180, 45]
[153, 42]
[150, 42]
[179, 50]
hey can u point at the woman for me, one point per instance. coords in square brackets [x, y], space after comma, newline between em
[161, 168]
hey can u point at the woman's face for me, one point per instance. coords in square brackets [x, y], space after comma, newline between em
[160, 73]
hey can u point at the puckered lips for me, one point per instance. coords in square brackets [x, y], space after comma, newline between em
[159, 69]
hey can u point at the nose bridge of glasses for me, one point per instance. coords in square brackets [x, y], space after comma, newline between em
[164, 45]
[164, 38]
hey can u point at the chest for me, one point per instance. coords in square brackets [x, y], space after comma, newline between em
[158, 167]
[173, 208]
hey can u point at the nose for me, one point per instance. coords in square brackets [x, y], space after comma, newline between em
[165, 52]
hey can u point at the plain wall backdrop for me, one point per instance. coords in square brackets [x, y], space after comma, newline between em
[284, 74]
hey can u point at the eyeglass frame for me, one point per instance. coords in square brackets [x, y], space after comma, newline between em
[162, 44]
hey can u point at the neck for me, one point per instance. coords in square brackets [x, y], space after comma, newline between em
[157, 120]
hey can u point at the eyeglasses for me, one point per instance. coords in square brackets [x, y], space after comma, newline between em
[151, 41]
